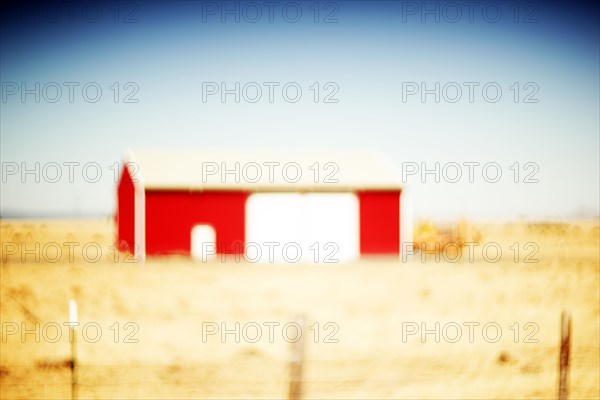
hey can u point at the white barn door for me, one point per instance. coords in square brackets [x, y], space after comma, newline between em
[293, 227]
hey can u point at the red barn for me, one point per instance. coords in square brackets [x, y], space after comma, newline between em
[263, 206]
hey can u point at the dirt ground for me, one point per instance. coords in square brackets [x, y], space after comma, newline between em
[155, 329]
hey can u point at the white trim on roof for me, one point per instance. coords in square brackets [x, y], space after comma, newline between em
[275, 170]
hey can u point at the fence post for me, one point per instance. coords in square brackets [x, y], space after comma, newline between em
[73, 337]
[565, 350]
[296, 359]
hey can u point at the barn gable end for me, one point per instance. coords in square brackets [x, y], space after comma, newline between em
[125, 215]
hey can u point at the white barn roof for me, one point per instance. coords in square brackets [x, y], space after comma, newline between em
[274, 170]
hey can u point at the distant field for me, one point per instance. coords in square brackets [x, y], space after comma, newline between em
[364, 313]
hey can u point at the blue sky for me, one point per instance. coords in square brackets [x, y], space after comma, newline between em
[371, 52]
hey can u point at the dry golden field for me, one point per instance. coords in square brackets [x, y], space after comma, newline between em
[145, 325]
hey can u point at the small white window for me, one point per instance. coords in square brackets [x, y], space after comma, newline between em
[204, 243]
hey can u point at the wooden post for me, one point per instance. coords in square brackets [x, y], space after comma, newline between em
[296, 359]
[565, 350]
[73, 337]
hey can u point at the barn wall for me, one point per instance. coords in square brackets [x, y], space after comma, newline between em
[171, 215]
[125, 215]
[379, 222]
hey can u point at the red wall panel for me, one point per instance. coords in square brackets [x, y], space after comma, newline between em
[125, 215]
[170, 216]
[379, 222]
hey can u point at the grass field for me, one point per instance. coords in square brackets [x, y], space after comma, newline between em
[144, 327]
